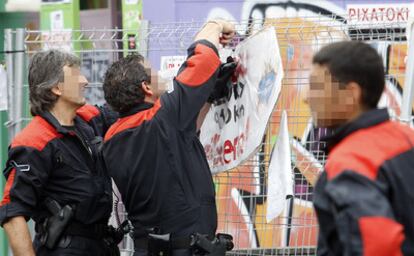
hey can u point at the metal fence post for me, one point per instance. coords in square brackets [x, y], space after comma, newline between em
[408, 92]
[8, 47]
[143, 38]
[18, 79]
[3, 137]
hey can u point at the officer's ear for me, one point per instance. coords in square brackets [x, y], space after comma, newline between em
[146, 88]
[356, 92]
[56, 90]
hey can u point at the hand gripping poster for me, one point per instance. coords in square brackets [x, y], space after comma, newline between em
[233, 128]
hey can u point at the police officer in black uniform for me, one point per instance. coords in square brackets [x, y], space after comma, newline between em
[153, 152]
[54, 172]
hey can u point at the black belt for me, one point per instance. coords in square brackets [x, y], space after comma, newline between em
[93, 231]
[175, 243]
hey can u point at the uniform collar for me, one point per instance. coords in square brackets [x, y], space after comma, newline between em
[365, 120]
[55, 123]
[140, 107]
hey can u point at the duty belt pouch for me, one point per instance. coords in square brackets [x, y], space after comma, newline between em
[55, 225]
[159, 245]
[202, 245]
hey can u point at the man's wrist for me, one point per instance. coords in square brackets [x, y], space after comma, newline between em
[215, 23]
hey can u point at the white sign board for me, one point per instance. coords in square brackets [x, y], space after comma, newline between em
[56, 20]
[61, 39]
[3, 89]
[131, 1]
[169, 68]
[409, 29]
[372, 14]
[172, 62]
[234, 129]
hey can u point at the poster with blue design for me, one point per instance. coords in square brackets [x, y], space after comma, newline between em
[234, 126]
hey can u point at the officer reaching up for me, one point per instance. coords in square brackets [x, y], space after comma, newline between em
[154, 155]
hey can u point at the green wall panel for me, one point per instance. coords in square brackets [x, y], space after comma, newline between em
[7, 20]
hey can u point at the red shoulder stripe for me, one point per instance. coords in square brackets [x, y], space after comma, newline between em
[366, 150]
[200, 67]
[87, 112]
[36, 134]
[381, 236]
[132, 121]
[9, 184]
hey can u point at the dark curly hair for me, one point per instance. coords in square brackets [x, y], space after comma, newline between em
[122, 84]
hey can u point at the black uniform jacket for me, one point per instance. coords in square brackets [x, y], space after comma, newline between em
[100, 118]
[156, 159]
[365, 198]
[46, 160]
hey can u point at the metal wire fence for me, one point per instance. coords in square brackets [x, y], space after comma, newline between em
[242, 191]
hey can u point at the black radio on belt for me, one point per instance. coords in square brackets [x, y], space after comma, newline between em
[163, 244]
[201, 245]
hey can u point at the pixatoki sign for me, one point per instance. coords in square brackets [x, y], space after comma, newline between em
[371, 14]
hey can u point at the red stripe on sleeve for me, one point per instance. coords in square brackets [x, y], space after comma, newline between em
[36, 134]
[87, 112]
[9, 184]
[381, 236]
[200, 67]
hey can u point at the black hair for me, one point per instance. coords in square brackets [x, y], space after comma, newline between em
[354, 61]
[122, 83]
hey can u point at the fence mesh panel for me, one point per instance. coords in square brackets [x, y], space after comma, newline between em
[241, 192]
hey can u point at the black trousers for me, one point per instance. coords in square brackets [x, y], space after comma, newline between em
[74, 246]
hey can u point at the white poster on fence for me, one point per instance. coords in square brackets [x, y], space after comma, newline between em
[169, 68]
[280, 175]
[410, 24]
[233, 129]
[3, 89]
[59, 39]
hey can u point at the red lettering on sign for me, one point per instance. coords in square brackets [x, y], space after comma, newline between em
[351, 13]
[374, 15]
[218, 158]
[381, 10]
[389, 17]
[365, 14]
[228, 149]
[219, 153]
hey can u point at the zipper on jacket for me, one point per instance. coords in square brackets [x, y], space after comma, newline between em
[83, 142]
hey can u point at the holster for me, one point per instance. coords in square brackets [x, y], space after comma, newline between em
[52, 228]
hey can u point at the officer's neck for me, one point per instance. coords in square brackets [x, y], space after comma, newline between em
[149, 99]
[64, 113]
